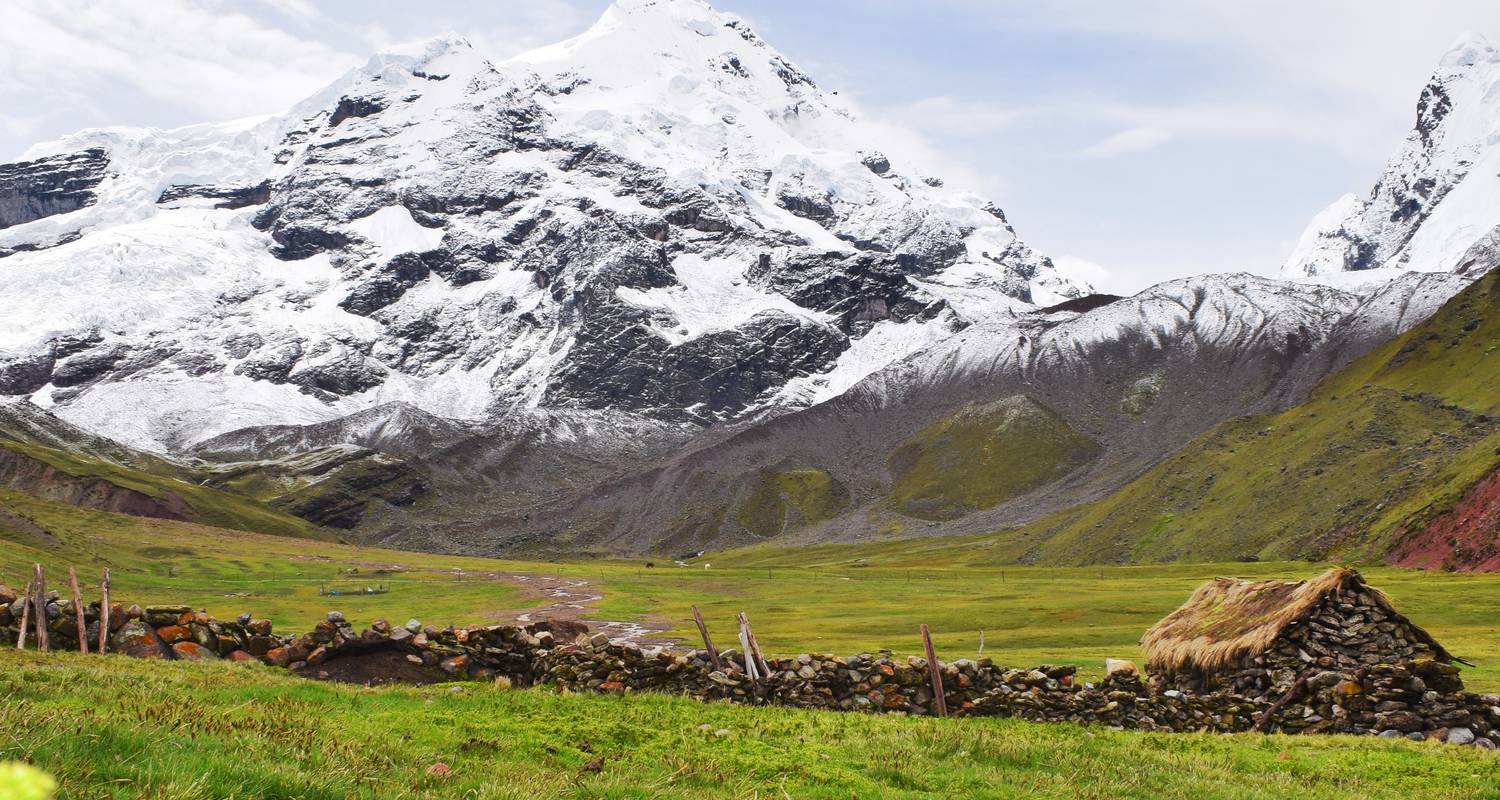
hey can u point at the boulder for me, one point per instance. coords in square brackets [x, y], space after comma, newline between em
[172, 634]
[138, 640]
[192, 651]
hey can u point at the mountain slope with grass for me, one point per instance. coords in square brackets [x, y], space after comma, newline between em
[304, 495]
[1393, 458]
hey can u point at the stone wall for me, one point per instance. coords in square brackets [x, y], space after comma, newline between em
[1419, 700]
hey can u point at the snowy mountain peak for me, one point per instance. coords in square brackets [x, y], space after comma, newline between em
[662, 216]
[1439, 194]
[1469, 49]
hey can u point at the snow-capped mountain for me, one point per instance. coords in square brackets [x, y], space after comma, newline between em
[662, 216]
[1440, 193]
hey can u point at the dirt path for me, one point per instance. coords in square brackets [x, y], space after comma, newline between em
[572, 599]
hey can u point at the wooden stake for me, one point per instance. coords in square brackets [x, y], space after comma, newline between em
[40, 612]
[104, 613]
[25, 615]
[933, 670]
[760, 660]
[750, 670]
[713, 654]
[1264, 723]
[83, 630]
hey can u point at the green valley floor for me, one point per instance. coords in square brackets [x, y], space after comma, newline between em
[113, 727]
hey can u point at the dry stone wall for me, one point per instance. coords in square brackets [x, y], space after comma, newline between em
[1418, 700]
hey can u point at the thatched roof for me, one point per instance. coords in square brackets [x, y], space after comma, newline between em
[1227, 619]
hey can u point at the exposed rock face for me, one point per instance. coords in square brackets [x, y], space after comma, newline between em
[221, 197]
[32, 190]
[38, 478]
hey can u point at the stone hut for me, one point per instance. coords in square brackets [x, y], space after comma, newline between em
[1253, 637]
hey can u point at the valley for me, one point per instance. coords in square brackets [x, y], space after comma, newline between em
[649, 323]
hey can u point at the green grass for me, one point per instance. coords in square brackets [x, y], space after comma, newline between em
[836, 598]
[790, 499]
[229, 572]
[210, 506]
[111, 727]
[983, 455]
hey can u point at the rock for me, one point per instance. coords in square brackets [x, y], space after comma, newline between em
[455, 665]
[336, 617]
[192, 651]
[1119, 666]
[1460, 736]
[413, 626]
[239, 656]
[158, 616]
[138, 640]
[1404, 721]
[1484, 743]
[172, 634]
[1391, 733]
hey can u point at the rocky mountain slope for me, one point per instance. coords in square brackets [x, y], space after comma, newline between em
[663, 216]
[1437, 195]
[652, 290]
[1395, 458]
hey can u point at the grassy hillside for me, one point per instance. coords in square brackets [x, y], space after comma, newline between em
[789, 499]
[209, 506]
[111, 727]
[1379, 450]
[981, 456]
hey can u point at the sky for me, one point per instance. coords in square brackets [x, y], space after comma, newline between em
[1133, 142]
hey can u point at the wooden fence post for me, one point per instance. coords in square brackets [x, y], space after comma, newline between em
[40, 618]
[104, 613]
[760, 660]
[25, 614]
[83, 630]
[750, 670]
[935, 672]
[713, 655]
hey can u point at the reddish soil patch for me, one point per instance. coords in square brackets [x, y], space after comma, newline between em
[376, 668]
[1466, 539]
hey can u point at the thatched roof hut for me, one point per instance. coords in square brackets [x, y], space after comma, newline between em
[1254, 634]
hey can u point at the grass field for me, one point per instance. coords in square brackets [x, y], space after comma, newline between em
[112, 727]
[838, 599]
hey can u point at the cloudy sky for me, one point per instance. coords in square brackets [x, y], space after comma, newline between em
[1136, 141]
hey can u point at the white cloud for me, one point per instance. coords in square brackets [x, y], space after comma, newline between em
[1130, 140]
[293, 8]
[1082, 269]
[193, 55]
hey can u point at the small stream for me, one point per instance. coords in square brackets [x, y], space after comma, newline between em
[572, 598]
